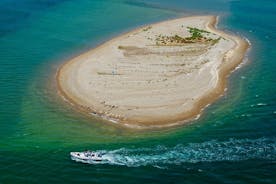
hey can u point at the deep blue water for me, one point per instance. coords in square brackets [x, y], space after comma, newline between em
[233, 142]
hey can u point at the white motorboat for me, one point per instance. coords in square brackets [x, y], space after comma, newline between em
[87, 156]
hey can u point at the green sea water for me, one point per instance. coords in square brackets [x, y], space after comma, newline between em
[234, 141]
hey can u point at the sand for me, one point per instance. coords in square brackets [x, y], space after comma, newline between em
[138, 82]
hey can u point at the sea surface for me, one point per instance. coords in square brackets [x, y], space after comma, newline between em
[234, 141]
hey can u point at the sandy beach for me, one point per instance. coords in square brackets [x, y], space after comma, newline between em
[159, 75]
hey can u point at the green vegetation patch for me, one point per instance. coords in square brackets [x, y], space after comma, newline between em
[197, 36]
[196, 33]
[147, 28]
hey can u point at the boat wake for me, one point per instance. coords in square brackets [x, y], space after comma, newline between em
[211, 151]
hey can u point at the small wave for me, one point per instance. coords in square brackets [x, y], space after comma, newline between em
[210, 151]
[246, 115]
[259, 105]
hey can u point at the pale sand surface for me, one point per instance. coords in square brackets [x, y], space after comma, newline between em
[137, 83]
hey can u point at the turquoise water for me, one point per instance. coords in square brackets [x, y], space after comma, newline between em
[234, 141]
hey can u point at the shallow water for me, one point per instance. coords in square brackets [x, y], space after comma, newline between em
[232, 142]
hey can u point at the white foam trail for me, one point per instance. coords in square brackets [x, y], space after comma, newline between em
[211, 151]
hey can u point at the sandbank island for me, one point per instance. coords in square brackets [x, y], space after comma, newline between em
[156, 76]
